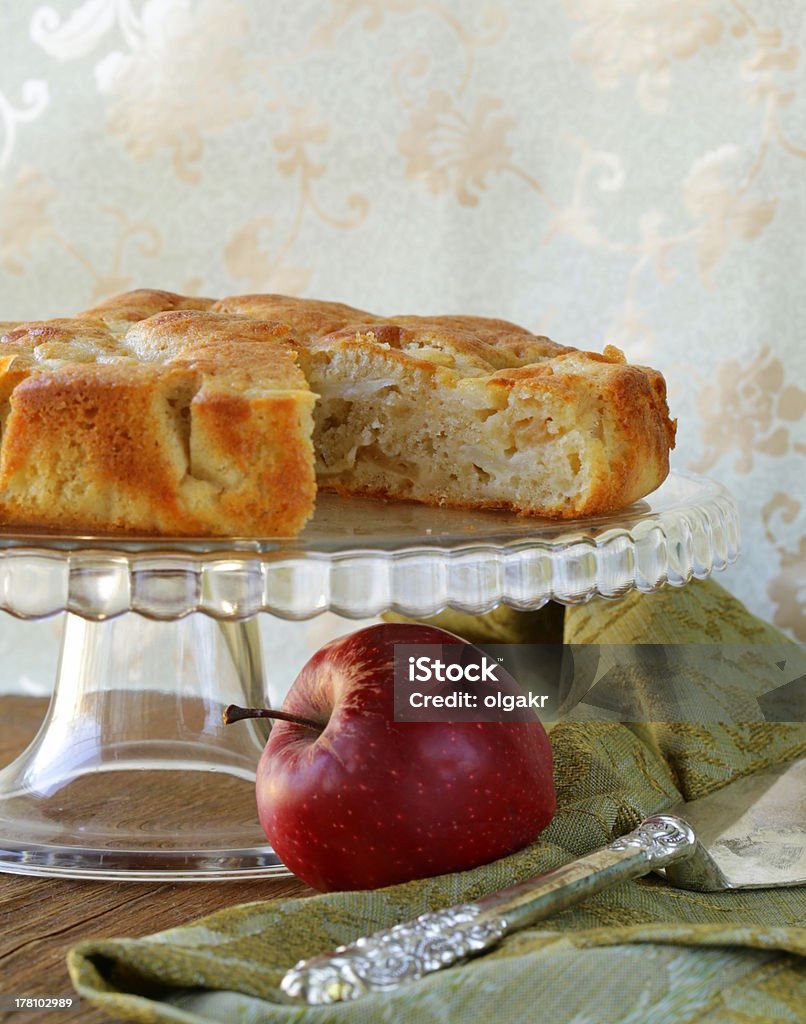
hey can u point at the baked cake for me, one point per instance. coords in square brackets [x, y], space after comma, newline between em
[159, 413]
[183, 422]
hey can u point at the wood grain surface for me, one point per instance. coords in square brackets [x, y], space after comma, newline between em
[40, 919]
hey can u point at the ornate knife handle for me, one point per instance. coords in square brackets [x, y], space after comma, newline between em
[386, 959]
[431, 942]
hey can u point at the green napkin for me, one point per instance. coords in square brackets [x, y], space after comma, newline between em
[641, 952]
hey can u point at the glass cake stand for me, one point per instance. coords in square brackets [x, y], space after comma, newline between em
[132, 774]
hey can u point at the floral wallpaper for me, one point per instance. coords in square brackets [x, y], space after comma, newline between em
[625, 172]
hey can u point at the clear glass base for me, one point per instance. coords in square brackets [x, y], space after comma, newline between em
[359, 557]
[133, 773]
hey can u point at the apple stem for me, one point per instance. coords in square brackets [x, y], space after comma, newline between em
[233, 713]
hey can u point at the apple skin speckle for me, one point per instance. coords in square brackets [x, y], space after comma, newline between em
[370, 802]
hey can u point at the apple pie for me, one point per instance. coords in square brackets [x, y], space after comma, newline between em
[162, 414]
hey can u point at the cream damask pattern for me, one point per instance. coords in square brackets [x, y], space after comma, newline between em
[26, 221]
[788, 587]
[472, 28]
[35, 98]
[750, 409]
[450, 151]
[624, 172]
[641, 38]
[166, 90]
[246, 257]
[24, 217]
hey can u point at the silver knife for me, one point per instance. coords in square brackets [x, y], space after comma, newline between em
[749, 834]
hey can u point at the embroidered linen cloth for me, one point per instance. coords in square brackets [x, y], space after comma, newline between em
[641, 951]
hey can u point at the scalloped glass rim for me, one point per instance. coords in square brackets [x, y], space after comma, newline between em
[360, 557]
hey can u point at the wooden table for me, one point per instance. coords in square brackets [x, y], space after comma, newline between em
[40, 918]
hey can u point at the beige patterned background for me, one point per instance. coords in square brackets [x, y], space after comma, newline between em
[623, 171]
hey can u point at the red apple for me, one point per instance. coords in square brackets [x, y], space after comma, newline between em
[351, 799]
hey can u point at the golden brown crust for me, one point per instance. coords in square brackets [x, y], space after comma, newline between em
[157, 412]
[85, 428]
[458, 348]
[310, 318]
[499, 342]
[184, 423]
[142, 303]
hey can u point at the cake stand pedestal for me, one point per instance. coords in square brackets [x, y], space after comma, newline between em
[133, 775]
